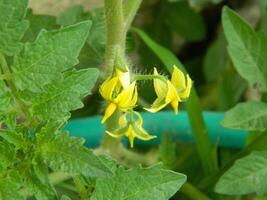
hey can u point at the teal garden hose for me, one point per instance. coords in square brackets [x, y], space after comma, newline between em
[177, 126]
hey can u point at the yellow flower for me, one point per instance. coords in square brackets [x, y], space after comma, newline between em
[119, 93]
[131, 129]
[171, 92]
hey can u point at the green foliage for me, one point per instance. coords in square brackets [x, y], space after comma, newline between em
[50, 54]
[139, 183]
[246, 176]
[247, 48]
[248, 116]
[61, 96]
[180, 17]
[67, 154]
[12, 25]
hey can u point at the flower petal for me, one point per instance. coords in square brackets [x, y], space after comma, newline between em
[185, 94]
[124, 99]
[159, 85]
[141, 133]
[178, 79]
[107, 88]
[109, 111]
[130, 134]
[118, 132]
[124, 78]
[157, 105]
[171, 93]
[175, 105]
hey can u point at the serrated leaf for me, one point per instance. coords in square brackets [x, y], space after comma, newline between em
[37, 23]
[152, 183]
[9, 190]
[50, 54]
[7, 154]
[247, 175]
[70, 16]
[68, 154]
[248, 116]
[42, 190]
[12, 25]
[5, 98]
[248, 49]
[60, 97]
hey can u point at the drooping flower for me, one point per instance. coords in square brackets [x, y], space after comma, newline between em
[171, 92]
[119, 93]
[131, 129]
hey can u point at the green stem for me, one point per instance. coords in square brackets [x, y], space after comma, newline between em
[115, 31]
[148, 77]
[192, 192]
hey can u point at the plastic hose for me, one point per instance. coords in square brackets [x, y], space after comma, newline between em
[177, 126]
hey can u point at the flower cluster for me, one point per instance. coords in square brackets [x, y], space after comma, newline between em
[120, 92]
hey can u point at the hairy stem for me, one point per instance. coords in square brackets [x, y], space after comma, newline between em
[148, 77]
[115, 32]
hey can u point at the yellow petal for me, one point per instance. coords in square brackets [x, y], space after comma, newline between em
[130, 134]
[171, 93]
[141, 133]
[107, 88]
[134, 98]
[118, 132]
[124, 78]
[139, 121]
[109, 111]
[159, 85]
[124, 99]
[178, 79]
[185, 94]
[157, 105]
[175, 105]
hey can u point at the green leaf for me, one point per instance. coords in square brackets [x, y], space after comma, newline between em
[12, 25]
[152, 183]
[248, 116]
[68, 154]
[5, 98]
[204, 146]
[247, 175]
[42, 190]
[93, 51]
[180, 17]
[51, 53]
[70, 16]
[248, 49]
[37, 23]
[9, 190]
[7, 156]
[62, 96]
